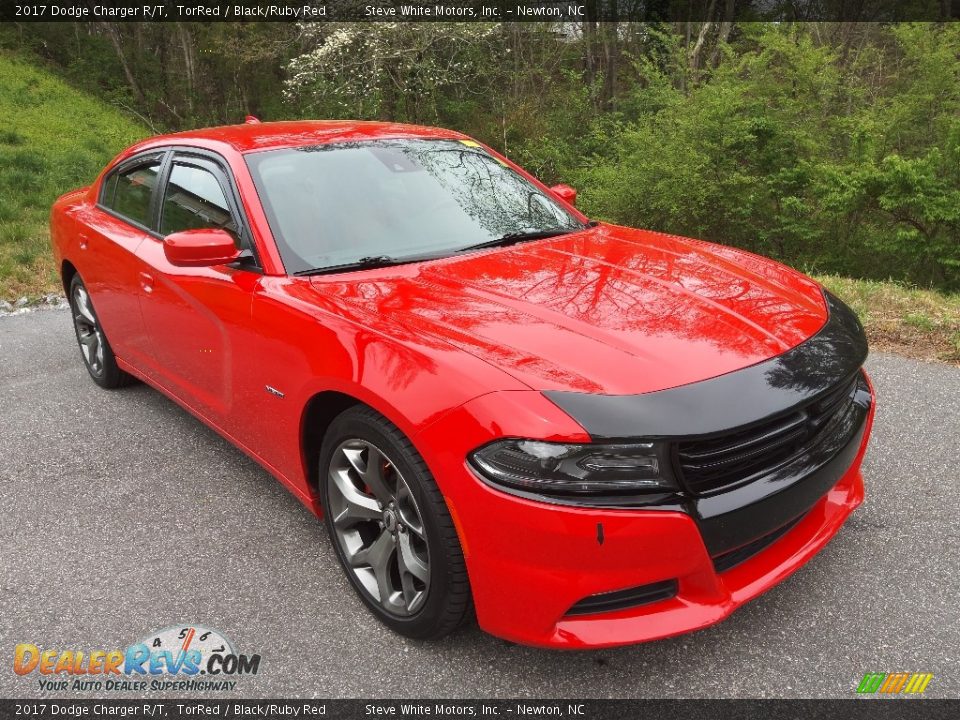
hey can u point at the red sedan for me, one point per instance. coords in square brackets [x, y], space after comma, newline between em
[587, 434]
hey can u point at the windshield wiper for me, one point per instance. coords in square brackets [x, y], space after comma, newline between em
[370, 262]
[379, 261]
[516, 237]
[364, 263]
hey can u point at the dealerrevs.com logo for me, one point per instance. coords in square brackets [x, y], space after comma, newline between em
[188, 657]
[898, 683]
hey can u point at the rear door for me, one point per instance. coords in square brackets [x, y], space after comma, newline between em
[197, 320]
[112, 232]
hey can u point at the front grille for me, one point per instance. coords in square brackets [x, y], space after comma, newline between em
[726, 561]
[622, 599]
[716, 463]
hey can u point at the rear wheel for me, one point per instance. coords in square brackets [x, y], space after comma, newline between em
[94, 346]
[390, 526]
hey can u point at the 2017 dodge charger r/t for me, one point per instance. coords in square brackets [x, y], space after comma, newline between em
[587, 434]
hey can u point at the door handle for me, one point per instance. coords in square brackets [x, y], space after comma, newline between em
[146, 282]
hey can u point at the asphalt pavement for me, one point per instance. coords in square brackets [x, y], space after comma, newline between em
[122, 514]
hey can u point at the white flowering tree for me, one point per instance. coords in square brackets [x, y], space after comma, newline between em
[397, 71]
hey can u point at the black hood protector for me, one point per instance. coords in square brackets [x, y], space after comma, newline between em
[736, 400]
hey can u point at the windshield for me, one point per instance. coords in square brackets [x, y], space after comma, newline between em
[339, 204]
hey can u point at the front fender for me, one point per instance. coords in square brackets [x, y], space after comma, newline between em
[304, 346]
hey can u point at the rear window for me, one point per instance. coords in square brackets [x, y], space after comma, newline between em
[128, 193]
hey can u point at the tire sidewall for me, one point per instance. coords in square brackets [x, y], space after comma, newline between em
[349, 426]
[110, 377]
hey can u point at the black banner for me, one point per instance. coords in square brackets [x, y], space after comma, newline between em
[473, 10]
[854, 709]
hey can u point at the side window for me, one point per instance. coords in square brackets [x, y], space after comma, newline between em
[194, 199]
[128, 193]
[110, 190]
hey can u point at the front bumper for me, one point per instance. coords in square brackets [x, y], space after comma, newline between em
[530, 563]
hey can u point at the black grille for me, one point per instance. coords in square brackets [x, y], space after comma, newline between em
[727, 560]
[716, 463]
[622, 599]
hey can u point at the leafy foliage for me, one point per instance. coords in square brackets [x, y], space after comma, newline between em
[788, 150]
[833, 147]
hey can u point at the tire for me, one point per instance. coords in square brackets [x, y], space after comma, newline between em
[95, 349]
[385, 537]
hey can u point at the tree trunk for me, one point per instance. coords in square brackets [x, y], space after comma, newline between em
[186, 45]
[696, 55]
[114, 34]
[725, 27]
[589, 42]
[611, 53]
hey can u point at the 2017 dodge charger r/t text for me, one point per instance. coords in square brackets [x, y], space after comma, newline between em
[586, 434]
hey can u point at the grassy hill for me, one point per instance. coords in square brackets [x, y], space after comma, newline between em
[53, 138]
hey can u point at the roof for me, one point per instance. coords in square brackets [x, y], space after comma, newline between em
[297, 133]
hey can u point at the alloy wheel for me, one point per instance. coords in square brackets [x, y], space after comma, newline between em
[379, 527]
[88, 330]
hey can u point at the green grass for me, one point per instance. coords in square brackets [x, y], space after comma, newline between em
[54, 138]
[910, 321]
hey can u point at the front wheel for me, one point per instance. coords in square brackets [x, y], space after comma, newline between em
[390, 526]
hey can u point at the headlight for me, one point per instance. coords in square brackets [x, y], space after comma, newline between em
[574, 469]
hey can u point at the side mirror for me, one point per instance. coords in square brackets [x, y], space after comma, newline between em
[200, 248]
[565, 193]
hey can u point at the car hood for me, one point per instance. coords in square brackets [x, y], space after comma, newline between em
[607, 310]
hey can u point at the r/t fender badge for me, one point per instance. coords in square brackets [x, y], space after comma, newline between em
[273, 391]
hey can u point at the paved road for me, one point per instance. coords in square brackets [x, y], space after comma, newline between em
[122, 514]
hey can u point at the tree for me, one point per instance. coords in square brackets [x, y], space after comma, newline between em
[396, 71]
